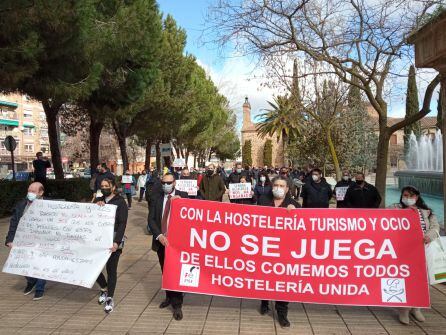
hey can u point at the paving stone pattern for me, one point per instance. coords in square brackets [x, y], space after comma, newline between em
[73, 310]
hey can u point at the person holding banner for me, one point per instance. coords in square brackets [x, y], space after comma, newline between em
[212, 186]
[245, 201]
[411, 198]
[341, 188]
[128, 186]
[279, 197]
[35, 191]
[158, 222]
[108, 286]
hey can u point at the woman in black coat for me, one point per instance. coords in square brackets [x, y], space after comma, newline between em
[110, 197]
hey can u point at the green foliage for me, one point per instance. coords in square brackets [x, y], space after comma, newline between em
[247, 153]
[268, 153]
[77, 189]
[412, 107]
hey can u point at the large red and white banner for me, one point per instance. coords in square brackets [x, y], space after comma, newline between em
[371, 257]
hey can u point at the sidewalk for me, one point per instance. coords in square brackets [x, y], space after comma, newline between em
[74, 310]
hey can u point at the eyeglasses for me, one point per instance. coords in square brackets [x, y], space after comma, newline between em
[167, 182]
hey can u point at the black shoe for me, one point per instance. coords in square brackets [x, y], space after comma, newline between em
[283, 321]
[29, 288]
[178, 314]
[165, 303]
[264, 307]
[38, 295]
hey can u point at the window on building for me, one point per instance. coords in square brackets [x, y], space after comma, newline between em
[43, 133]
[29, 147]
[28, 114]
[393, 139]
[28, 131]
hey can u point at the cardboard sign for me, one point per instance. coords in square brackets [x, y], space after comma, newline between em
[340, 193]
[66, 242]
[187, 185]
[126, 179]
[240, 191]
[368, 257]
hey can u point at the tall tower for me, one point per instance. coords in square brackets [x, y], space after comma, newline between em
[247, 123]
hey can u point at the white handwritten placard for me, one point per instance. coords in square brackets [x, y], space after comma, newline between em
[240, 191]
[340, 193]
[187, 185]
[126, 179]
[60, 241]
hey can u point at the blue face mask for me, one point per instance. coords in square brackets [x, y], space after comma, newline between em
[31, 196]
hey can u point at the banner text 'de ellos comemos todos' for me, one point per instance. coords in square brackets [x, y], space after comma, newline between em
[61, 241]
[370, 257]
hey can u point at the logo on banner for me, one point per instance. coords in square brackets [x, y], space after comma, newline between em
[393, 290]
[190, 275]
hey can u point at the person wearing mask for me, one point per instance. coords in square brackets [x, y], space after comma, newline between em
[158, 222]
[341, 188]
[185, 174]
[128, 188]
[234, 177]
[212, 186]
[411, 198]
[142, 184]
[362, 194]
[317, 192]
[263, 186]
[279, 197]
[108, 286]
[104, 173]
[35, 191]
[40, 165]
[284, 172]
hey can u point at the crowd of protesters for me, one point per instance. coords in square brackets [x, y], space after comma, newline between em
[273, 187]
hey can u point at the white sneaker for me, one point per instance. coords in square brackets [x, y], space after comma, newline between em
[109, 304]
[102, 297]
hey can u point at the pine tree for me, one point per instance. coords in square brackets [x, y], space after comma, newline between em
[268, 153]
[247, 153]
[412, 107]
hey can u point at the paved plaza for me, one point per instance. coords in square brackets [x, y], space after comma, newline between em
[74, 310]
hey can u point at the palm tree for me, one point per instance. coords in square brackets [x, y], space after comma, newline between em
[282, 119]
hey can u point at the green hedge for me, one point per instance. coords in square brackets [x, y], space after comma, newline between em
[76, 189]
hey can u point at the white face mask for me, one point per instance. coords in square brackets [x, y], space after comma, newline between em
[278, 193]
[315, 178]
[409, 201]
[168, 188]
[346, 178]
[262, 179]
[31, 196]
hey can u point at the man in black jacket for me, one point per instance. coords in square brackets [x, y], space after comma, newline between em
[104, 173]
[362, 194]
[35, 191]
[316, 193]
[279, 197]
[158, 222]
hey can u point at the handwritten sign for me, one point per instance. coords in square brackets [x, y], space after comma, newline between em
[240, 191]
[340, 193]
[187, 185]
[179, 162]
[67, 242]
[127, 179]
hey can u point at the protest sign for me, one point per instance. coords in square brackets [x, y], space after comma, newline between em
[340, 193]
[179, 162]
[126, 179]
[369, 257]
[240, 191]
[187, 185]
[60, 241]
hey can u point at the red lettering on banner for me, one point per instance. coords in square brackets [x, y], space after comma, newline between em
[343, 256]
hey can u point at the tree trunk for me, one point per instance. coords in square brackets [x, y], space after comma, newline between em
[121, 132]
[195, 160]
[96, 126]
[158, 156]
[148, 154]
[381, 161]
[51, 112]
[334, 155]
[186, 156]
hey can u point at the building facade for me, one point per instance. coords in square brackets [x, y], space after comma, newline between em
[24, 119]
[249, 132]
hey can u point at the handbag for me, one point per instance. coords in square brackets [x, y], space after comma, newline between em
[436, 260]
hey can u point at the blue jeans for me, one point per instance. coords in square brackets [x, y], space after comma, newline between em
[40, 283]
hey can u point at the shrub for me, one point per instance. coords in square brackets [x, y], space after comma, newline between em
[76, 189]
